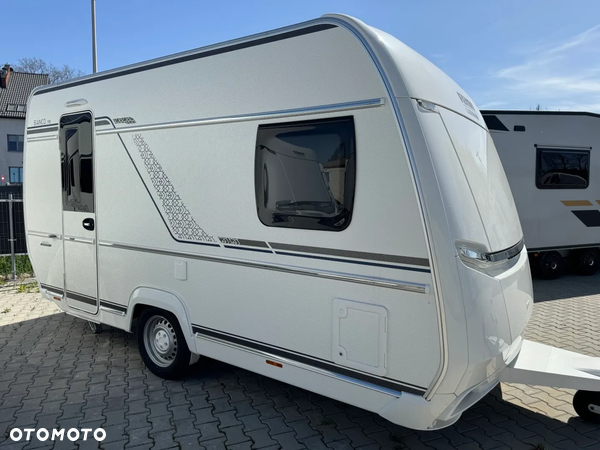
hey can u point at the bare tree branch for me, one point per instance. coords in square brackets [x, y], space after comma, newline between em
[56, 74]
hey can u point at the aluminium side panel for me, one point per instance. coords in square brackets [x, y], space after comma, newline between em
[172, 192]
[210, 169]
[43, 202]
[551, 218]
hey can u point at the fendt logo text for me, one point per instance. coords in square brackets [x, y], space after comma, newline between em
[73, 434]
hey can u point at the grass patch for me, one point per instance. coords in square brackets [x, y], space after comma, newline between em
[22, 265]
[27, 288]
[5, 311]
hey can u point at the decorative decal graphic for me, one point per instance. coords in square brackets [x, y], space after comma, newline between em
[589, 217]
[182, 223]
[127, 120]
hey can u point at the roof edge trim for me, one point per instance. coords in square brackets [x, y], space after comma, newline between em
[203, 52]
[541, 113]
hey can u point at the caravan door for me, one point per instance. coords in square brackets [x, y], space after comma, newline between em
[79, 218]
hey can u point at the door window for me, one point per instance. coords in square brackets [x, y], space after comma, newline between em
[16, 174]
[77, 162]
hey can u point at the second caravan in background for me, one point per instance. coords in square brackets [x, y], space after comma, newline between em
[555, 180]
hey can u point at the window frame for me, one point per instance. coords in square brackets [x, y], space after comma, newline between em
[18, 141]
[74, 198]
[538, 158]
[16, 107]
[20, 174]
[306, 221]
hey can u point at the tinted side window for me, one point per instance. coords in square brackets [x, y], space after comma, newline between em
[562, 169]
[15, 142]
[305, 174]
[77, 162]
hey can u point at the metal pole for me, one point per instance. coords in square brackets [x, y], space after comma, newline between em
[94, 56]
[11, 234]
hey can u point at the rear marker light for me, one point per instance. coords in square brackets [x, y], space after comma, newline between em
[56, 298]
[273, 363]
[477, 257]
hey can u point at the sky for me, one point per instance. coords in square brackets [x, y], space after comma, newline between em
[510, 54]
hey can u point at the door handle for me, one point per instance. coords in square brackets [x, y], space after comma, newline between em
[88, 224]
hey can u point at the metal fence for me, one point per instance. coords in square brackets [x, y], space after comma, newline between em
[12, 227]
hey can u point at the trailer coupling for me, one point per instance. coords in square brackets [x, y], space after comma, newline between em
[544, 365]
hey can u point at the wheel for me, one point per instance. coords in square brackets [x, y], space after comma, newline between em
[95, 327]
[587, 261]
[551, 265]
[162, 344]
[587, 405]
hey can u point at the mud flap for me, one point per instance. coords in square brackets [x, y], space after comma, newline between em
[543, 365]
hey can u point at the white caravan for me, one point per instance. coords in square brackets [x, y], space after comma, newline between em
[555, 179]
[318, 204]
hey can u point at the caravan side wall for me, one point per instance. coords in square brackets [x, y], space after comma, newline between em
[153, 185]
[553, 216]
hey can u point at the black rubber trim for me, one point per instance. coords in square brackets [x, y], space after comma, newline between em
[54, 289]
[507, 253]
[350, 261]
[566, 148]
[305, 359]
[42, 130]
[100, 123]
[114, 306]
[207, 244]
[82, 298]
[201, 54]
[260, 250]
[351, 254]
[590, 218]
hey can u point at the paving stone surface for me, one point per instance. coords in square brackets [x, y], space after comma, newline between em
[55, 373]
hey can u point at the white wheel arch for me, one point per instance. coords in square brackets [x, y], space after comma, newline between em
[164, 300]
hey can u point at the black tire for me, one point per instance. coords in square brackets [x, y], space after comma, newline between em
[162, 344]
[587, 261]
[551, 265]
[587, 405]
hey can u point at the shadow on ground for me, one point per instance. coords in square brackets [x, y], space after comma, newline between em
[55, 373]
[569, 285]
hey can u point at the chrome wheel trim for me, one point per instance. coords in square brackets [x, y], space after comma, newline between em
[594, 408]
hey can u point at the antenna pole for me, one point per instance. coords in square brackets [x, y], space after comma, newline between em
[94, 55]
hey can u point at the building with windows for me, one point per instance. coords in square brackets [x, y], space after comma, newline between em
[15, 88]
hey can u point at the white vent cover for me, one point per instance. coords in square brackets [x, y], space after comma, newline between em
[360, 336]
[180, 270]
